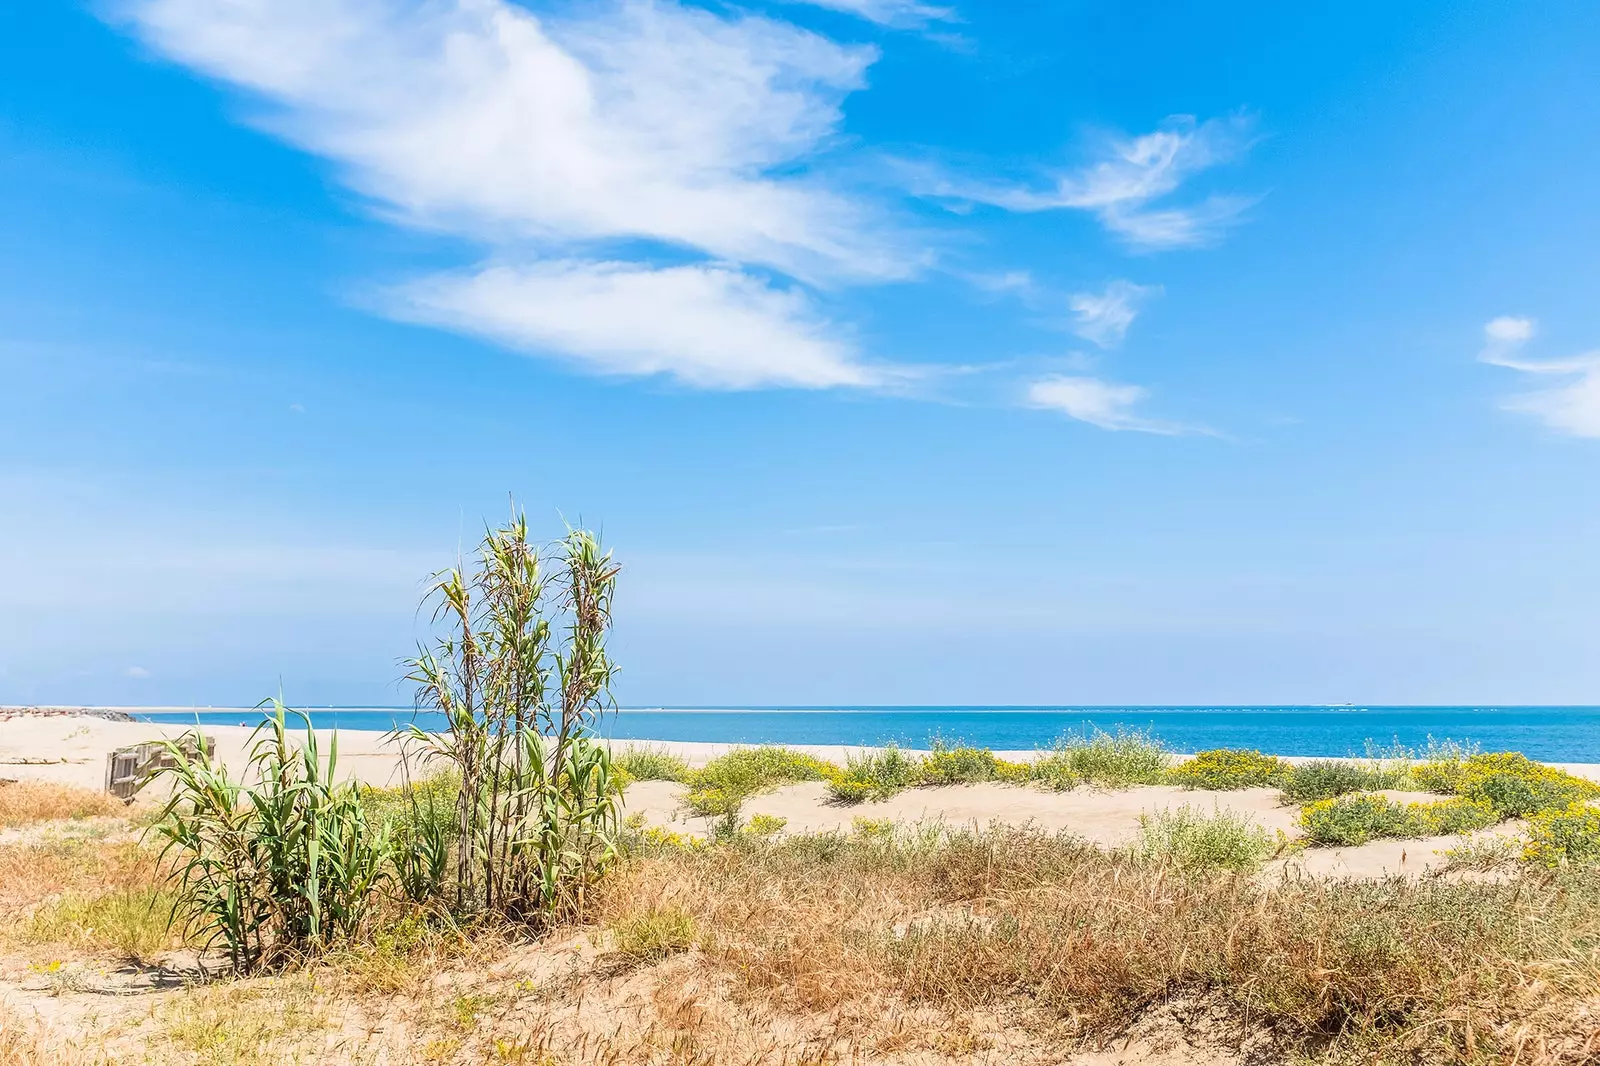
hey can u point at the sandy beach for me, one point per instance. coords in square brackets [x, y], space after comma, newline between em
[72, 750]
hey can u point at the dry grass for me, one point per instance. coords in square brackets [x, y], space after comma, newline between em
[1005, 946]
[1420, 972]
[28, 802]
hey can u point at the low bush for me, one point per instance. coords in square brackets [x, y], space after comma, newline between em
[1107, 760]
[1516, 786]
[650, 764]
[1360, 817]
[1326, 778]
[1569, 836]
[1203, 841]
[1225, 769]
[954, 765]
[875, 775]
[1439, 766]
[721, 786]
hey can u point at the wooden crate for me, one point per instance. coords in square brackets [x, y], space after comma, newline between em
[127, 769]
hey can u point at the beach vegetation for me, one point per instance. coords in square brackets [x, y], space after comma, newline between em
[1439, 766]
[1104, 760]
[721, 786]
[1323, 779]
[1567, 836]
[1361, 817]
[521, 674]
[28, 802]
[1516, 786]
[1226, 769]
[650, 763]
[654, 934]
[1201, 840]
[957, 764]
[278, 865]
[876, 774]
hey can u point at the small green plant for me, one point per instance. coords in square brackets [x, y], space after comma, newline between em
[655, 934]
[721, 786]
[1359, 817]
[282, 868]
[1439, 766]
[874, 775]
[1325, 778]
[650, 764]
[1202, 841]
[765, 825]
[1223, 769]
[1569, 836]
[949, 764]
[1106, 760]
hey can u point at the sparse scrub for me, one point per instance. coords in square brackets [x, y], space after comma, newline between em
[1386, 971]
[1440, 765]
[131, 923]
[1225, 769]
[28, 802]
[952, 764]
[1199, 840]
[1360, 817]
[1106, 760]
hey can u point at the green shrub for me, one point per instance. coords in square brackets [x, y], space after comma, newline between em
[874, 775]
[650, 764]
[1516, 786]
[1203, 841]
[1569, 836]
[721, 786]
[1119, 760]
[1360, 817]
[1440, 766]
[1326, 778]
[951, 765]
[765, 825]
[1230, 768]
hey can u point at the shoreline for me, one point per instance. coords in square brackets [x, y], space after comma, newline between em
[71, 748]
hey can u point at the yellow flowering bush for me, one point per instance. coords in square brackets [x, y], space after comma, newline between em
[1229, 768]
[1566, 837]
[1358, 817]
[1516, 786]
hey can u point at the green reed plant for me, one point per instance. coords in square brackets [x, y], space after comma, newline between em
[282, 864]
[521, 675]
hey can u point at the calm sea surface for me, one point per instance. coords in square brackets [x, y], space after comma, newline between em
[1558, 734]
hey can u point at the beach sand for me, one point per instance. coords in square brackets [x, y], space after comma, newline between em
[73, 750]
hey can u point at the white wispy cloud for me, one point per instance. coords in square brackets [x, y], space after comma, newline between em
[1572, 407]
[1103, 318]
[898, 13]
[701, 323]
[1123, 187]
[1100, 403]
[636, 123]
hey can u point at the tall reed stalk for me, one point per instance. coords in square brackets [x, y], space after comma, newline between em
[521, 675]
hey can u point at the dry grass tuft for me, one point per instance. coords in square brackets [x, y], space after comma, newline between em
[27, 802]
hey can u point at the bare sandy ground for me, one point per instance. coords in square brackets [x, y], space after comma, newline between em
[73, 751]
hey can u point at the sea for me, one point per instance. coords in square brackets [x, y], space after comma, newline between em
[1552, 734]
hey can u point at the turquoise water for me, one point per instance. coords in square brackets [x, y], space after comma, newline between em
[1558, 734]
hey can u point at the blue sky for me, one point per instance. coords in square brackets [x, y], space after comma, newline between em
[1009, 353]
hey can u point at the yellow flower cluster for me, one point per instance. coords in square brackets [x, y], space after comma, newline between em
[1566, 837]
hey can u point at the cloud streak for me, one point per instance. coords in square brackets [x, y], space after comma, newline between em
[1127, 187]
[901, 14]
[1106, 404]
[653, 127]
[1572, 407]
[1103, 318]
